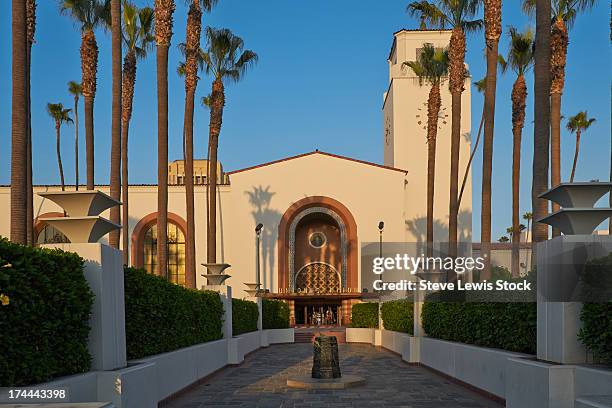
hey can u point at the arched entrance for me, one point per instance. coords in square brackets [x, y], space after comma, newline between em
[318, 261]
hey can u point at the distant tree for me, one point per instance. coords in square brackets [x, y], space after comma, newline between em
[519, 60]
[76, 90]
[577, 124]
[59, 116]
[89, 14]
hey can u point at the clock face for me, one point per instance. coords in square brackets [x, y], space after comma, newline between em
[421, 117]
[388, 131]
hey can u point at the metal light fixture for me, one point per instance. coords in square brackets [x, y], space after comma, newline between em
[258, 230]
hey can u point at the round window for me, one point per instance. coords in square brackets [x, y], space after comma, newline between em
[317, 239]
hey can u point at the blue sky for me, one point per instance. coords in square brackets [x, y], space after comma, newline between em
[318, 84]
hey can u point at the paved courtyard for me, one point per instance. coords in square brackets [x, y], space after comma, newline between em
[261, 382]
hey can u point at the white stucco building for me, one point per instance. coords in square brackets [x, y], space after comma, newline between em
[318, 208]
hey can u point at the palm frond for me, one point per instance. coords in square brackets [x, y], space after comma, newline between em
[428, 12]
[481, 84]
[224, 56]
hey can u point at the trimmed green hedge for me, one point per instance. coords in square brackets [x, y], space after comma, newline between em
[161, 316]
[364, 315]
[275, 314]
[244, 316]
[596, 332]
[44, 314]
[507, 326]
[397, 316]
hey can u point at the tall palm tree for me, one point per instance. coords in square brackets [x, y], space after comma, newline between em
[431, 67]
[519, 60]
[76, 90]
[480, 87]
[458, 15]
[163, 35]
[492, 22]
[564, 14]
[577, 124]
[89, 14]
[138, 39]
[59, 116]
[31, 29]
[541, 127]
[528, 216]
[224, 60]
[192, 61]
[19, 135]
[115, 161]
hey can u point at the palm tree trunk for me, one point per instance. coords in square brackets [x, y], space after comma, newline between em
[125, 217]
[456, 56]
[89, 70]
[555, 148]
[487, 151]
[492, 20]
[19, 124]
[194, 28]
[59, 155]
[541, 130]
[89, 141]
[575, 156]
[216, 120]
[76, 142]
[127, 96]
[30, 31]
[162, 159]
[454, 173]
[519, 96]
[433, 110]
[190, 264]
[469, 164]
[115, 170]
[558, 53]
[30, 192]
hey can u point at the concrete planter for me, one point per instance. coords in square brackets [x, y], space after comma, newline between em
[278, 336]
[534, 384]
[483, 368]
[177, 369]
[360, 335]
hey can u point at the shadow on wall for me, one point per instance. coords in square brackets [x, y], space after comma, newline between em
[418, 228]
[260, 199]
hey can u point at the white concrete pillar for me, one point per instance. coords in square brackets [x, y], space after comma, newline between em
[560, 260]
[103, 270]
[225, 292]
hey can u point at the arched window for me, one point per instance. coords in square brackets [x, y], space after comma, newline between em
[50, 235]
[176, 253]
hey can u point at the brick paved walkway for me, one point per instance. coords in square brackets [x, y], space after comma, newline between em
[261, 382]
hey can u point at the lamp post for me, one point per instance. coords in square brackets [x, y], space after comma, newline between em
[381, 227]
[258, 230]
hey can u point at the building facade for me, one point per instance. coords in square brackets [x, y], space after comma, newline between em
[319, 210]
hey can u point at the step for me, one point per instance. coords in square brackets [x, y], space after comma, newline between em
[594, 401]
[308, 336]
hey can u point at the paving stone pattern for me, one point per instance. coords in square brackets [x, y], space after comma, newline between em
[260, 382]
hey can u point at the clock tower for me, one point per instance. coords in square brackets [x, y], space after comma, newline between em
[405, 141]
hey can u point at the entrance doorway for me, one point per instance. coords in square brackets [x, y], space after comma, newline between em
[318, 313]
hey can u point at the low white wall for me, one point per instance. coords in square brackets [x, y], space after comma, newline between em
[278, 336]
[534, 384]
[484, 368]
[359, 335]
[248, 342]
[591, 381]
[177, 369]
